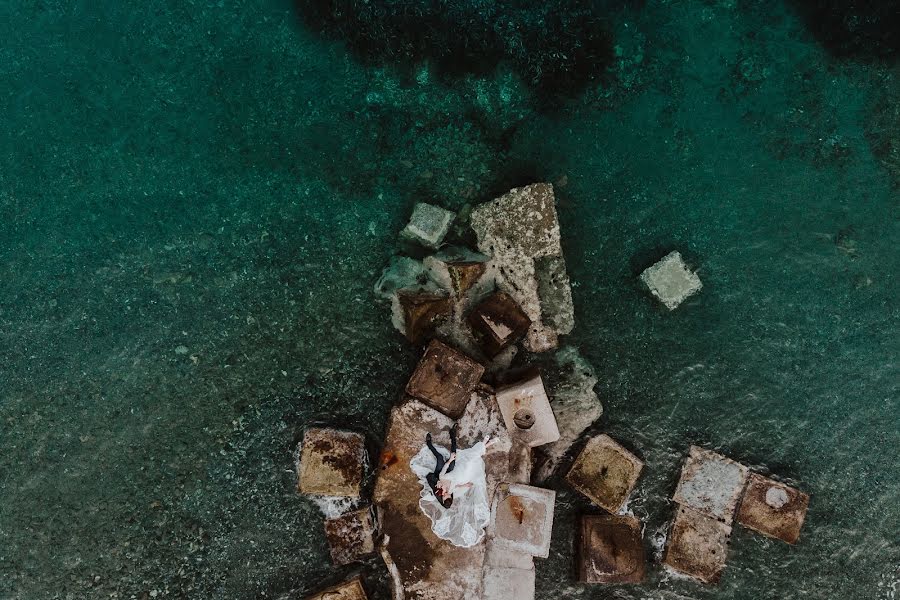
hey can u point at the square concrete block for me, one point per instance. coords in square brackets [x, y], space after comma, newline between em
[497, 322]
[428, 225]
[506, 583]
[444, 379]
[711, 484]
[331, 463]
[351, 590]
[350, 536]
[610, 550]
[605, 472]
[697, 545]
[423, 311]
[526, 411]
[773, 509]
[522, 518]
[671, 281]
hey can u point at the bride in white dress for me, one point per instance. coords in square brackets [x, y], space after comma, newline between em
[462, 523]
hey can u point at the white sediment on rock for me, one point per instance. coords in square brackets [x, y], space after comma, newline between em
[520, 232]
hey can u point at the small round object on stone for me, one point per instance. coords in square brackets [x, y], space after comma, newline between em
[523, 418]
[776, 497]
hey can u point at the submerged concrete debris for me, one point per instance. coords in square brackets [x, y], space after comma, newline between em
[773, 509]
[522, 519]
[351, 536]
[351, 590]
[605, 472]
[671, 281]
[428, 225]
[526, 411]
[444, 379]
[331, 463]
[516, 230]
[609, 549]
[711, 484]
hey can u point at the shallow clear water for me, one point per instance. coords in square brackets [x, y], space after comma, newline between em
[195, 200]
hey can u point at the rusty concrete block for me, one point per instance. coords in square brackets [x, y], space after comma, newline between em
[671, 281]
[428, 225]
[423, 311]
[350, 590]
[610, 550]
[444, 379]
[350, 536]
[605, 472]
[522, 518]
[711, 483]
[773, 509]
[526, 411]
[697, 545]
[331, 463]
[497, 322]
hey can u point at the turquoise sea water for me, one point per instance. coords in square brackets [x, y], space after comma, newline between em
[196, 198]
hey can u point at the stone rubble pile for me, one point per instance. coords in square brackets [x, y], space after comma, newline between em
[475, 310]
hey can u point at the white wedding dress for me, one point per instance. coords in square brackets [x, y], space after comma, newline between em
[463, 523]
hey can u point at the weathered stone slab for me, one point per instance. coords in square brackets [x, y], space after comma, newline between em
[428, 225]
[697, 545]
[497, 322]
[351, 590]
[555, 293]
[350, 536]
[671, 281]
[773, 509]
[526, 411]
[711, 484]
[605, 472]
[444, 379]
[515, 230]
[609, 549]
[575, 406]
[508, 583]
[331, 463]
[522, 518]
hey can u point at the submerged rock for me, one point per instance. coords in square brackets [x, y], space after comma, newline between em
[515, 230]
[609, 549]
[350, 536]
[428, 225]
[671, 281]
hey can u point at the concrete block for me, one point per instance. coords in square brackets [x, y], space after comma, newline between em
[444, 379]
[605, 472]
[671, 281]
[497, 322]
[428, 225]
[351, 590]
[350, 536]
[423, 312]
[500, 556]
[456, 269]
[522, 518]
[507, 583]
[526, 411]
[773, 509]
[609, 549]
[331, 463]
[697, 545]
[711, 484]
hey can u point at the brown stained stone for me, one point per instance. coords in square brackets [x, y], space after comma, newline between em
[527, 412]
[350, 590]
[697, 545]
[773, 509]
[522, 518]
[423, 311]
[711, 484]
[610, 549]
[331, 463]
[350, 536]
[444, 379]
[464, 274]
[605, 472]
[498, 322]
